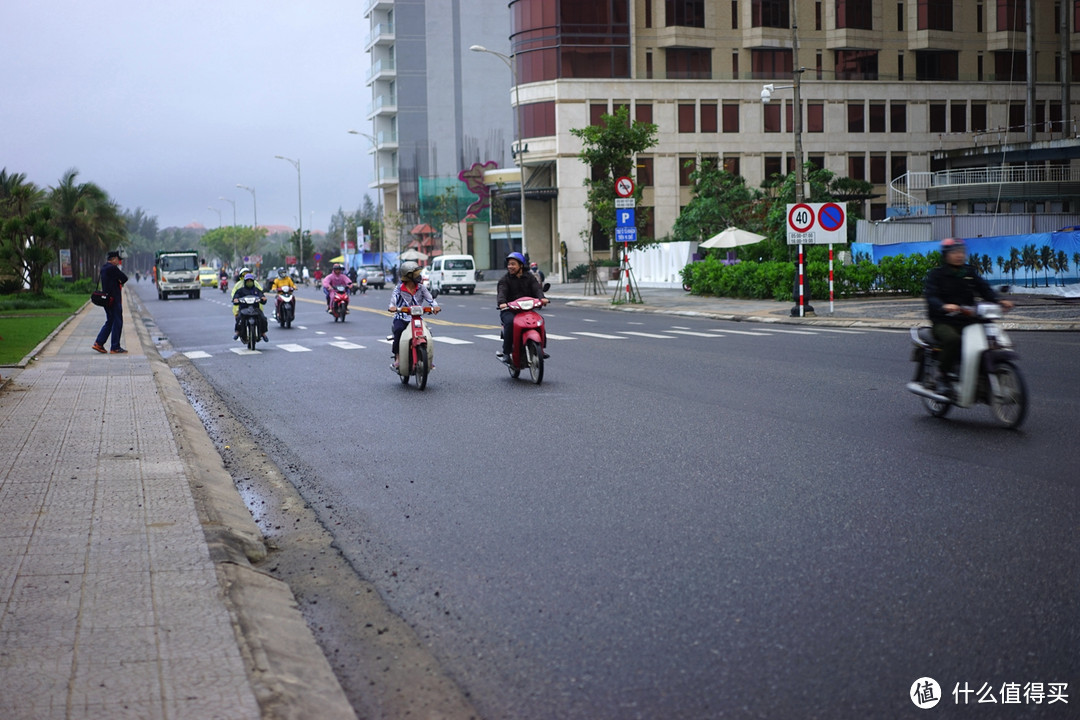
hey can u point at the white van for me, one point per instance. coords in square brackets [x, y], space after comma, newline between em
[453, 272]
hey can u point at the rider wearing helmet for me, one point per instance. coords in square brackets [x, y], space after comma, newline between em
[244, 272]
[950, 288]
[282, 281]
[411, 291]
[516, 283]
[336, 277]
[248, 287]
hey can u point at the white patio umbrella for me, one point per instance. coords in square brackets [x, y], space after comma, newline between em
[732, 237]
[412, 255]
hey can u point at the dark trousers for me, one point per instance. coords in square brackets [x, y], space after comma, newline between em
[114, 324]
[949, 336]
[507, 318]
[260, 323]
[399, 327]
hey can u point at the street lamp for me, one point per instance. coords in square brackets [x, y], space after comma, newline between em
[517, 131]
[218, 214]
[375, 165]
[299, 203]
[254, 206]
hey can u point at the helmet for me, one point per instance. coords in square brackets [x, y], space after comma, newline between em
[250, 277]
[516, 256]
[409, 270]
[281, 272]
[952, 244]
[244, 272]
[338, 267]
[533, 266]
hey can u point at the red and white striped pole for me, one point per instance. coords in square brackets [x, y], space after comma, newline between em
[802, 280]
[830, 280]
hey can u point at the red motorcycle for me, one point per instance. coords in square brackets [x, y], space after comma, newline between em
[530, 339]
[223, 283]
[339, 302]
[414, 350]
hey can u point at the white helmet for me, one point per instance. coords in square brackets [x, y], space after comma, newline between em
[408, 269]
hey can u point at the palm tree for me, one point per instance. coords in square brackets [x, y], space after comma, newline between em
[1062, 265]
[1001, 265]
[89, 221]
[1029, 258]
[1046, 256]
[26, 233]
[1014, 258]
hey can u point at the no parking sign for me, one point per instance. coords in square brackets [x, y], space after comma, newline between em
[816, 224]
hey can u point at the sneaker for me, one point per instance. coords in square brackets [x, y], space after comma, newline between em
[265, 338]
[236, 336]
[117, 351]
[98, 347]
[500, 354]
[546, 356]
[394, 366]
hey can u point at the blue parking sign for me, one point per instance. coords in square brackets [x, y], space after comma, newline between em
[624, 218]
[625, 234]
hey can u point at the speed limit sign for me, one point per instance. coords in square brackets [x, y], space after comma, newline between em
[816, 224]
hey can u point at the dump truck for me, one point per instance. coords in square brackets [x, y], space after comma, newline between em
[176, 272]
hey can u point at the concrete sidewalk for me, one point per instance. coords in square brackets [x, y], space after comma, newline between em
[126, 586]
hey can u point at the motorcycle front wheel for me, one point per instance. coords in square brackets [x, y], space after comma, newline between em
[935, 408]
[1008, 395]
[534, 355]
[420, 367]
[252, 336]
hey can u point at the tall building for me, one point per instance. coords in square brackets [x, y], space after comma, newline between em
[436, 108]
[884, 85]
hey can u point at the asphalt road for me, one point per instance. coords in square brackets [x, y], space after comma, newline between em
[688, 518]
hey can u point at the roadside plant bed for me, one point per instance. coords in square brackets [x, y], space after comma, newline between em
[26, 320]
[775, 279]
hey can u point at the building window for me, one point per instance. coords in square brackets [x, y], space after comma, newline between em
[878, 211]
[979, 67]
[979, 17]
[854, 14]
[734, 64]
[731, 164]
[1040, 118]
[856, 167]
[856, 118]
[553, 40]
[648, 66]
[643, 112]
[648, 229]
[596, 114]
[648, 13]
[817, 65]
[686, 167]
[772, 166]
[898, 165]
[1016, 117]
[771, 115]
[936, 65]
[815, 117]
[1055, 117]
[688, 64]
[935, 14]
[734, 14]
[877, 117]
[768, 64]
[900, 17]
[730, 113]
[708, 117]
[937, 118]
[898, 117]
[900, 67]
[1010, 14]
[686, 118]
[537, 119]
[856, 64]
[958, 117]
[1010, 66]
[685, 13]
[978, 117]
[817, 15]
[877, 169]
[769, 13]
[644, 171]
[818, 161]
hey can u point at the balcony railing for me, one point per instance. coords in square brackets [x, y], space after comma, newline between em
[381, 66]
[382, 101]
[379, 32]
[902, 189]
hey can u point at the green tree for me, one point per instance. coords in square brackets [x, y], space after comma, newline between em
[721, 200]
[1046, 255]
[89, 222]
[609, 150]
[27, 231]
[1061, 264]
[1001, 265]
[1029, 259]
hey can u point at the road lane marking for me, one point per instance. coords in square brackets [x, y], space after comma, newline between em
[553, 336]
[645, 335]
[602, 336]
[741, 332]
[196, 354]
[346, 345]
[244, 351]
[293, 347]
[792, 332]
[695, 334]
[451, 340]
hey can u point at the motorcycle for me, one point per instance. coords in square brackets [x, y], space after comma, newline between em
[223, 283]
[339, 302]
[415, 351]
[530, 339]
[362, 286]
[250, 313]
[285, 308]
[988, 372]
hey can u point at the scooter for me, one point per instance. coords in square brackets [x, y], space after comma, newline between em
[415, 351]
[530, 339]
[285, 309]
[250, 312]
[223, 283]
[362, 286]
[339, 302]
[988, 372]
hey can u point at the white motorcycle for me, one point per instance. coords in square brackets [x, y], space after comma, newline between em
[988, 372]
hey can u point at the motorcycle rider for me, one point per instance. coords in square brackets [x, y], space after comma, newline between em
[336, 277]
[282, 281]
[516, 283]
[244, 272]
[949, 289]
[250, 287]
[411, 291]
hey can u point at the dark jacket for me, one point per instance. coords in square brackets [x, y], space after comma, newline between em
[956, 285]
[112, 279]
[244, 291]
[511, 287]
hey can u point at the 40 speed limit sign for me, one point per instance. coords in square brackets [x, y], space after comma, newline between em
[816, 224]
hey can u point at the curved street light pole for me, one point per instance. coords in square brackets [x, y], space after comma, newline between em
[375, 166]
[254, 206]
[218, 214]
[299, 204]
[517, 132]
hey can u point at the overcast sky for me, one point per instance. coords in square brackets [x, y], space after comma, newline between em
[169, 105]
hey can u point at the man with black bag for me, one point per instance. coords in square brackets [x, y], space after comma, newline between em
[112, 281]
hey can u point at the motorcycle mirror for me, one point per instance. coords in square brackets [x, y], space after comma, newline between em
[547, 286]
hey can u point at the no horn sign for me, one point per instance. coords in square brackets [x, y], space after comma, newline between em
[816, 224]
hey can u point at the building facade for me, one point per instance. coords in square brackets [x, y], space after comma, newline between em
[885, 84]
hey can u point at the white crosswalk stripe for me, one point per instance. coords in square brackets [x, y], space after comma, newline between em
[695, 333]
[345, 345]
[293, 347]
[196, 354]
[742, 332]
[244, 351]
[553, 336]
[646, 335]
[451, 340]
[602, 336]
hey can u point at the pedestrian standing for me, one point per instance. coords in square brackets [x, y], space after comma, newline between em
[112, 282]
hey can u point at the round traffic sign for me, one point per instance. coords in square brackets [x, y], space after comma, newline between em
[831, 217]
[624, 187]
[801, 218]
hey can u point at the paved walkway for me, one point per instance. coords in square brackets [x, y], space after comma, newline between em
[126, 592]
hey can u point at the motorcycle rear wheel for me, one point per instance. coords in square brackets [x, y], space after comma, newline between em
[534, 355]
[420, 367]
[1008, 396]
